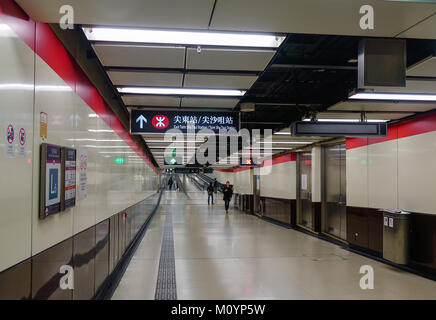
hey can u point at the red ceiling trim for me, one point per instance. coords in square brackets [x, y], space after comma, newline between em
[44, 42]
[419, 125]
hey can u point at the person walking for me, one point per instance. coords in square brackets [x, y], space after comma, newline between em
[209, 193]
[228, 193]
[170, 183]
[215, 185]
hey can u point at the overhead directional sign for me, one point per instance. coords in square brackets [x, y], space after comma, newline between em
[339, 129]
[146, 121]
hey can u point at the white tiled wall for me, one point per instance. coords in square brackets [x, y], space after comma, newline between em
[279, 180]
[243, 182]
[398, 174]
[29, 86]
[357, 177]
[16, 106]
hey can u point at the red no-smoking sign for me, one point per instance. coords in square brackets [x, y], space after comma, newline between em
[10, 134]
[22, 136]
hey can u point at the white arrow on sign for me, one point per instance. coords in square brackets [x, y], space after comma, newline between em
[141, 119]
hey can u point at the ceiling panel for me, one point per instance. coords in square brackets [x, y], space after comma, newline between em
[140, 56]
[209, 102]
[218, 81]
[143, 78]
[382, 106]
[144, 13]
[380, 116]
[145, 100]
[229, 59]
[318, 16]
[426, 68]
[423, 30]
[413, 86]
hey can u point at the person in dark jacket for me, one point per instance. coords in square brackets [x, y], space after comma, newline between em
[228, 193]
[170, 183]
[215, 185]
[209, 193]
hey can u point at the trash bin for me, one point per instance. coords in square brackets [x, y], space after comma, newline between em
[396, 236]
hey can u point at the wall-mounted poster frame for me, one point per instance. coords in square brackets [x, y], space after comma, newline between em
[68, 194]
[50, 180]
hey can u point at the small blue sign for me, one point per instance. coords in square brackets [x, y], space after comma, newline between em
[53, 183]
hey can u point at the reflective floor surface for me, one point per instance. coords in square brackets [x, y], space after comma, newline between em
[239, 256]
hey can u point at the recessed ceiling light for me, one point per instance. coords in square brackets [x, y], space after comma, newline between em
[100, 130]
[347, 120]
[283, 133]
[206, 38]
[285, 142]
[393, 96]
[182, 91]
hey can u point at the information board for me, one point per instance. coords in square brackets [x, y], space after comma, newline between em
[50, 177]
[69, 178]
[146, 121]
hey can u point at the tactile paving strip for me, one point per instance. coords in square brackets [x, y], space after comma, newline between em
[166, 277]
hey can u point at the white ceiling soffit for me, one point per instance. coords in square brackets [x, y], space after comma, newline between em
[425, 68]
[378, 116]
[140, 56]
[219, 81]
[412, 86]
[145, 78]
[210, 102]
[318, 16]
[146, 100]
[296, 16]
[424, 30]
[228, 59]
[193, 14]
[382, 106]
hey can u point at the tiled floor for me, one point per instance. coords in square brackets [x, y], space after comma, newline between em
[238, 256]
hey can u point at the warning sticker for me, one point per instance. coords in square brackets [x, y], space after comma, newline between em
[10, 140]
[22, 141]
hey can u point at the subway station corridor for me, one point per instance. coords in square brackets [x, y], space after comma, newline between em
[311, 124]
[239, 256]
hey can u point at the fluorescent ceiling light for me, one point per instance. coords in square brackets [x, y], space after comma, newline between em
[206, 38]
[101, 130]
[171, 141]
[122, 152]
[182, 91]
[266, 148]
[347, 120]
[108, 147]
[394, 96]
[175, 147]
[285, 142]
[284, 133]
[96, 140]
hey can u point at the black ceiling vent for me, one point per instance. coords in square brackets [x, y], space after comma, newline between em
[339, 129]
[382, 63]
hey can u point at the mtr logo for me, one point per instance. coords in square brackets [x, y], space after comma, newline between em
[160, 121]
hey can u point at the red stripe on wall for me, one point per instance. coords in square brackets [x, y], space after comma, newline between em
[44, 42]
[419, 125]
[280, 159]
